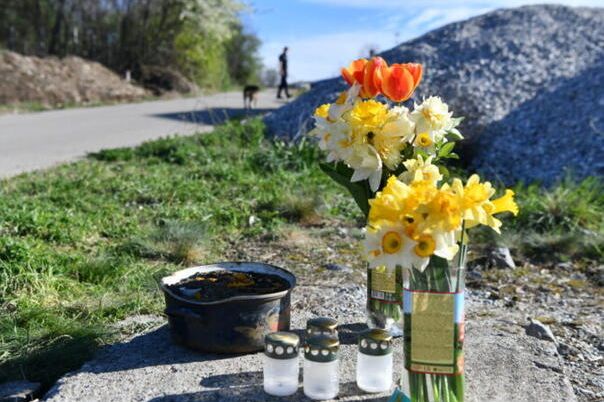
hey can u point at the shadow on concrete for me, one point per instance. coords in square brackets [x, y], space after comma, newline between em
[248, 387]
[154, 348]
[349, 333]
[245, 378]
[212, 116]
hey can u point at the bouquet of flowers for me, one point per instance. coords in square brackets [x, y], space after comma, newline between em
[367, 141]
[389, 157]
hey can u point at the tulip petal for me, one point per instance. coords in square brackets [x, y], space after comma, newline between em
[397, 83]
[416, 71]
[372, 78]
[354, 72]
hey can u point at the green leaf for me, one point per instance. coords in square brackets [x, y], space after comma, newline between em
[446, 149]
[454, 135]
[360, 191]
[421, 152]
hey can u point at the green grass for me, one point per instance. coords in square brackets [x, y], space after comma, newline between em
[82, 245]
[559, 223]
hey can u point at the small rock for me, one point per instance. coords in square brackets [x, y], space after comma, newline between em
[500, 257]
[539, 330]
[567, 266]
[473, 276]
[337, 267]
[567, 350]
[18, 391]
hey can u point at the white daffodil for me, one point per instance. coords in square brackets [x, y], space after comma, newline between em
[321, 132]
[389, 246]
[433, 119]
[400, 124]
[344, 103]
[366, 163]
[446, 245]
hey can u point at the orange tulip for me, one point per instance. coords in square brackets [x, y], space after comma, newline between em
[400, 80]
[372, 78]
[416, 71]
[354, 72]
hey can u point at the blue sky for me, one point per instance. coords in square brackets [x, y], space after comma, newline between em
[324, 35]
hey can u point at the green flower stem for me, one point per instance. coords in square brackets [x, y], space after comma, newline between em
[437, 277]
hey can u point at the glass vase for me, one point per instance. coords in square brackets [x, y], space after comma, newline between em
[384, 297]
[433, 303]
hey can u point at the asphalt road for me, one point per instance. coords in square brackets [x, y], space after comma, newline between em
[34, 141]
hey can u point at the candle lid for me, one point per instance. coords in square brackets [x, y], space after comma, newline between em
[375, 342]
[281, 345]
[321, 348]
[321, 325]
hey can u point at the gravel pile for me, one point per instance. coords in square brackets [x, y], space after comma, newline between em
[512, 70]
[559, 130]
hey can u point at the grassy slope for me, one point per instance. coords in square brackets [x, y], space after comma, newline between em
[83, 244]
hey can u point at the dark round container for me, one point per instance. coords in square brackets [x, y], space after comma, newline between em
[232, 325]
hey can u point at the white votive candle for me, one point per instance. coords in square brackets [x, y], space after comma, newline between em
[321, 367]
[374, 361]
[281, 367]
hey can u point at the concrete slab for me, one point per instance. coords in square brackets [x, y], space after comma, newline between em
[501, 365]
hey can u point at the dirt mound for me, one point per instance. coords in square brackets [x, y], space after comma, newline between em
[161, 80]
[55, 82]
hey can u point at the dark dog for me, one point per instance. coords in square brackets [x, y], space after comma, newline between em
[250, 96]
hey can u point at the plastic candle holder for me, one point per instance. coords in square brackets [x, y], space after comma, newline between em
[374, 361]
[322, 326]
[281, 368]
[321, 367]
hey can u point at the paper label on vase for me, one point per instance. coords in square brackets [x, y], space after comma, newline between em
[436, 332]
[383, 284]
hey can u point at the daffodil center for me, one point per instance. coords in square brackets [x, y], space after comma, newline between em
[392, 242]
[425, 246]
[424, 140]
[370, 136]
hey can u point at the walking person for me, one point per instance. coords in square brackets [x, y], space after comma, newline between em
[283, 73]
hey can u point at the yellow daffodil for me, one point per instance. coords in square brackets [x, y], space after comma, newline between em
[427, 216]
[505, 203]
[423, 140]
[323, 110]
[420, 170]
[389, 203]
[444, 211]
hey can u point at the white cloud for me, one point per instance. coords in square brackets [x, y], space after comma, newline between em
[431, 18]
[322, 56]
